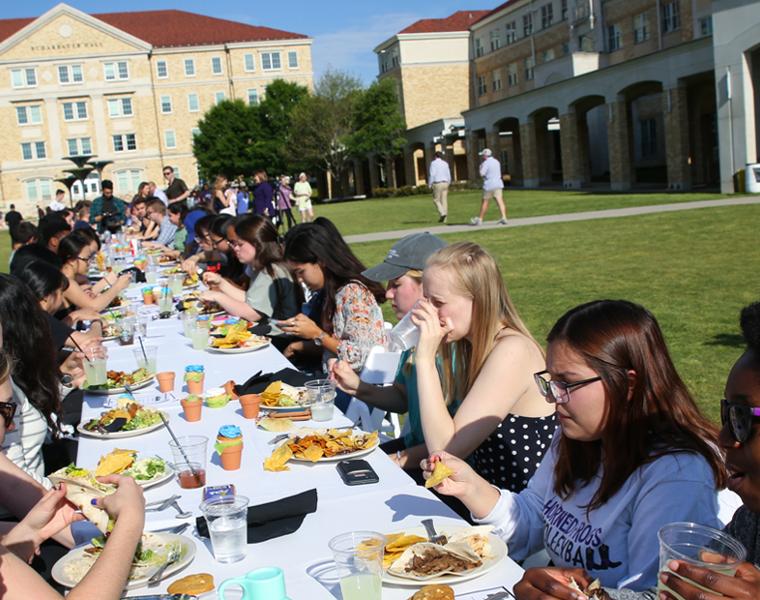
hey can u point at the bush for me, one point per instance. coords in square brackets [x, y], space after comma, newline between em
[406, 190]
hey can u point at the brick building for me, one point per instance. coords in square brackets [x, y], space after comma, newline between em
[126, 87]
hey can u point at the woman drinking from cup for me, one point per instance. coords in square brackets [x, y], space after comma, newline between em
[634, 453]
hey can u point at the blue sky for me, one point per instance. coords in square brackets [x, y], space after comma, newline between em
[344, 31]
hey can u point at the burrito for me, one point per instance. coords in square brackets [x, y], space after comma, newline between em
[81, 489]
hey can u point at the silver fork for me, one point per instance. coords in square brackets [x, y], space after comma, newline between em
[159, 505]
[181, 514]
[432, 534]
[173, 557]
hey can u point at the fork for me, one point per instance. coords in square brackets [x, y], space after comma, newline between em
[173, 557]
[432, 534]
[159, 505]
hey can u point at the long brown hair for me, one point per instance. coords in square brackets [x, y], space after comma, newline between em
[476, 276]
[645, 418]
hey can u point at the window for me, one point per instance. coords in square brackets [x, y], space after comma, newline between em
[270, 61]
[170, 139]
[216, 65]
[671, 16]
[189, 67]
[511, 32]
[79, 146]
[33, 150]
[124, 141]
[166, 104]
[162, 70]
[512, 78]
[547, 16]
[249, 64]
[563, 9]
[705, 25]
[21, 78]
[614, 40]
[127, 180]
[640, 28]
[39, 190]
[648, 132]
[292, 59]
[193, 104]
[586, 43]
[495, 39]
[482, 85]
[548, 55]
[530, 63]
[70, 74]
[527, 24]
[29, 115]
[496, 81]
[565, 48]
[120, 107]
[195, 131]
[116, 71]
[479, 51]
[253, 97]
[219, 97]
[75, 111]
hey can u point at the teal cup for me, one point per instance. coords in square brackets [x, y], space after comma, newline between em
[262, 584]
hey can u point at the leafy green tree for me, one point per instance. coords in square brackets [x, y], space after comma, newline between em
[275, 114]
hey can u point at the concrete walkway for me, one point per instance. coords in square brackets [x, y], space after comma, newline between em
[560, 218]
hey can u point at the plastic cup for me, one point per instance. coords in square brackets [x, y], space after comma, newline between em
[146, 357]
[404, 335]
[151, 274]
[127, 331]
[199, 335]
[175, 283]
[95, 366]
[228, 527]
[700, 546]
[190, 458]
[359, 562]
[321, 398]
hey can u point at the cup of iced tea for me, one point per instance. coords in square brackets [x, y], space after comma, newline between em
[190, 455]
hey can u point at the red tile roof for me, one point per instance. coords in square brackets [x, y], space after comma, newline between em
[459, 21]
[164, 28]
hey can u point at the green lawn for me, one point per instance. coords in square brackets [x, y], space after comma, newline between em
[694, 270]
[408, 212]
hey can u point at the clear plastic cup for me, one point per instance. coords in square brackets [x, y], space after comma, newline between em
[147, 358]
[199, 335]
[404, 335]
[359, 563]
[228, 526]
[190, 457]
[95, 366]
[321, 394]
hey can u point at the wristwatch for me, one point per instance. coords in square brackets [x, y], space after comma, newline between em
[320, 338]
[67, 380]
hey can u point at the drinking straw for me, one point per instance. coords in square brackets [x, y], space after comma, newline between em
[196, 475]
[145, 356]
[80, 349]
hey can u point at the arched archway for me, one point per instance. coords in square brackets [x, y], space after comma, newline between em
[584, 142]
[508, 150]
[548, 145]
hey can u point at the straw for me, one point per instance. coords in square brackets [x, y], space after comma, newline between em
[142, 347]
[196, 475]
[80, 349]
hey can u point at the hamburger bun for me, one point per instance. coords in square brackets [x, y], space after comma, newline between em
[434, 592]
[192, 584]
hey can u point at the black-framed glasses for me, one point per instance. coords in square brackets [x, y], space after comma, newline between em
[216, 243]
[85, 260]
[8, 411]
[558, 391]
[739, 418]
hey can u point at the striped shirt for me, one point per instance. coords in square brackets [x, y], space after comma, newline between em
[23, 445]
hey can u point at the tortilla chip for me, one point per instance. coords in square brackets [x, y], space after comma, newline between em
[115, 462]
[440, 472]
[313, 453]
[277, 461]
[402, 542]
[276, 425]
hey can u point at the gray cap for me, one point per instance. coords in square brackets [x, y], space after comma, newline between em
[485, 152]
[410, 253]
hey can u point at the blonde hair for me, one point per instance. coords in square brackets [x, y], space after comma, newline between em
[474, 274]
[414, 274]
[6, 366]
[219, 182]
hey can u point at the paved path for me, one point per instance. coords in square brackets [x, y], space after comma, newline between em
[560, 218]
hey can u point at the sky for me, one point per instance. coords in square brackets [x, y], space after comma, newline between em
[344, 31]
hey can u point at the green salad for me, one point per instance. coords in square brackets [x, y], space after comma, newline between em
[146, 469]
[143, 418]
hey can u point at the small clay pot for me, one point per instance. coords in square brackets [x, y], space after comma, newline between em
[192, 409]
[231, 457]
[251, 403]
[165, 381]
[195, 387]
[229, 388]
[148, 298]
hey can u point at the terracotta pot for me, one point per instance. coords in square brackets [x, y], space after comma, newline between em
[192, 410]
[229, 388]
[195, 387]
[251, 404]
[165, 381]
[231, 457]
[148, 298]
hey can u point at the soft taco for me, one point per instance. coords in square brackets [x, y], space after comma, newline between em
[81, 489]
[425, 561]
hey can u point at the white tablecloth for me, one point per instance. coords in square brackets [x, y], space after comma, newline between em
[393, 504]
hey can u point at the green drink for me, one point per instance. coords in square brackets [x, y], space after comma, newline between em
[359, 562]
[199, 337]
[95, 372]
[361, 587]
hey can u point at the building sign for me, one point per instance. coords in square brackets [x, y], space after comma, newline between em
[66, 46]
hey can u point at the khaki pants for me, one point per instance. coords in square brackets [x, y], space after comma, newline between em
[441, 197]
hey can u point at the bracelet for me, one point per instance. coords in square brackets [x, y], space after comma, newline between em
[398, 455]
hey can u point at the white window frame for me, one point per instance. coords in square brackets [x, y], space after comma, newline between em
[481, 85]
[165, 100]
[194, 131]
[167, 134]
[79, 146]
[495, 39]
[292, 54]
[246, 58]
[214, 61]
[513, 77]
[268, 57]
[119, 104]
[479, 50]
[496, 80]
[548, 55]
[76, 113]
[29, 111]
[671, 17]
[34, 150]
[527, 24]
[115, 68]
[614, 38]
[640, 28]
[219, 98]
[547, 15]
[23, 75]
[69, 69]
[124, 142]
[40, 195]
[189, 62]
[705, 26]
[255, 93]
[130, 177]
[511, 32]
[165, 64]
[190, 104]
[530, 65]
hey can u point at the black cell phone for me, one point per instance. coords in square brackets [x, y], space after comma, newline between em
[357, 472]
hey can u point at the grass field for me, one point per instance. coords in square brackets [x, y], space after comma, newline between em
[409, 212]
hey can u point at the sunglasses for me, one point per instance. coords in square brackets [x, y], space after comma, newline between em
[8, 411]
[558, 391]
[739, 418]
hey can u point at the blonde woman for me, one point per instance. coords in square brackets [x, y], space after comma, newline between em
[302, 195]
[225, 199]
[488, 359]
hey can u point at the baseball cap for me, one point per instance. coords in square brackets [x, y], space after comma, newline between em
[486, 152]
[409, 253]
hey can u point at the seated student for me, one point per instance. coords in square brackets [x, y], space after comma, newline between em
[52, 229]
[177, 212]
[402, 269]
[271, 294]
[144, 228]
[22, 234]
[487, 360]
[82, 210]
[156, 211]
[205, 251]
[634, 453]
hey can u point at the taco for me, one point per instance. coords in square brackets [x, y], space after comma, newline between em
[81, 489]
[425, 561]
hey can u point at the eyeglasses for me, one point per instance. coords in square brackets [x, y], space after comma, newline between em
[237, 243]
[739, 418]
[8, 411]
[85, 260]
[167, 173]
[558, 391]
[216, 243]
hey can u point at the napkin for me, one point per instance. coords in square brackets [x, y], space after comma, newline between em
[258, 383]
[273, 519]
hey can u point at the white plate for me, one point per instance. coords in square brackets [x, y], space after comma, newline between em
[119, 434]
[120, 390]
[158, 480]
[339, 457]
[498, 554]
[189, 554]
[295, 407]
[239, 350]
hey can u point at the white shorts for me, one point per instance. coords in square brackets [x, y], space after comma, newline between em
[304, 204]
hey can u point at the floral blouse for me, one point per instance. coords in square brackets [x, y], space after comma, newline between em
[357, 323]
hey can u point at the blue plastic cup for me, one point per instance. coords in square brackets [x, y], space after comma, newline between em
[262, 584]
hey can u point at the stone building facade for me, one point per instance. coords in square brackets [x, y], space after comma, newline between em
[125, 87]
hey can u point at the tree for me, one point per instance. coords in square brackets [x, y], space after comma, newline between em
[322, 124]
[378, 123]
[231, 140]
[275, 114]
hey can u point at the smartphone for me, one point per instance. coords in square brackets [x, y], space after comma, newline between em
[357, 472]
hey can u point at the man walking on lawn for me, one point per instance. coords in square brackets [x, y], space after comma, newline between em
[490, 171]
[439, 176]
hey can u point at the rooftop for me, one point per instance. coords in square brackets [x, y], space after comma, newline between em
[459, 21]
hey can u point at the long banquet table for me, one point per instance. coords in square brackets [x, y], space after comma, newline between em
[393, 504]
